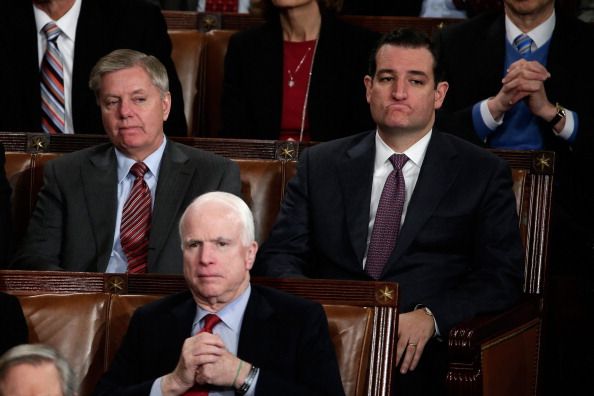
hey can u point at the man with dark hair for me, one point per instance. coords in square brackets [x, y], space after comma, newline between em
[405, 203]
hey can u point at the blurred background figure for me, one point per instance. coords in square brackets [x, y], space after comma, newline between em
[297, 77]
[36, 370]
[231, 6]
[13, 326]
[5, 214]
[48, 48]
[423, 8]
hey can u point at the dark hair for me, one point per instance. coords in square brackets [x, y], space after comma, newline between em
[408, 38]
[266, 9]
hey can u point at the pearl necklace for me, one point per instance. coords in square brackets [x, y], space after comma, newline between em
[291, 79]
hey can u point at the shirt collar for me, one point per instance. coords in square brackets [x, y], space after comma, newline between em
[540, 34]
[231, 314]
[415, 153]
[153, 162]
[67, 23]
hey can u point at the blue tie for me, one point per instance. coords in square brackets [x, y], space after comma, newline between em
[524, 44]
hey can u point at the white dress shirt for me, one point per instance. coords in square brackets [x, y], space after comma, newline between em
[383, 167]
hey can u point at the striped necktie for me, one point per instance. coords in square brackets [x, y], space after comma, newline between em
[52, 83]
[221, 6]
[524, 44]
[136, 222]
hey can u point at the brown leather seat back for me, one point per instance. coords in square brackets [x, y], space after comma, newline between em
[187, 54]
[351, 331]
[120, 311]
[261, 186]
[213, 85]
[74, 324]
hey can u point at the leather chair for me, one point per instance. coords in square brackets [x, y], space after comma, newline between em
[188, 47]
[213, 85]
[85, 316]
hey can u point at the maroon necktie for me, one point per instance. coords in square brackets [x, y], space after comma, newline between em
[210, 321]
[136, 222]
[387, 219]
[220, 6]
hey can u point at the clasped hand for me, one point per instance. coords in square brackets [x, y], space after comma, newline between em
[523, 80]
[204, 360]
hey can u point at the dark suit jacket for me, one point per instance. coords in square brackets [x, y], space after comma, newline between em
[252, 90]
[13, 327]
[103, 26]
[476, 75]
[459, 249]
[5, 214]
[285, 336]
[72, 227]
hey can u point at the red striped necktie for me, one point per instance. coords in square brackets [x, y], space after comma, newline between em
[210, 321]
[52, 83]
[136, 222]
[221, 6]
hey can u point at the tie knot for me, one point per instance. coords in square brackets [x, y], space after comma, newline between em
[210, 321]
[398, 160]
[139, 169]
[523, 43]
[52, 31]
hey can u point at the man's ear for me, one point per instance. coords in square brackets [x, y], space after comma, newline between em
[368, 81]
[440, 93]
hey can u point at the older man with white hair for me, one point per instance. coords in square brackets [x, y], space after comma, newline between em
[224, 336]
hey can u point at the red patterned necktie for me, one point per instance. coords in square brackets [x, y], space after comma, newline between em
[136, 222]
[220, 6]
[52, 83]
[210, 321]
[387, 219]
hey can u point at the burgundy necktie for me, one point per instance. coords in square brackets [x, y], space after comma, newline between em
[220, 6]
[387, 219]
[136, 222]
[210, 321]
[52, 83]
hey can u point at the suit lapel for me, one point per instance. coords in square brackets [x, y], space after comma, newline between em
[355, 175]
[174, 181]
[440, 168]
[88, 47]
[99, 179]
[183, 315]
[258, 329]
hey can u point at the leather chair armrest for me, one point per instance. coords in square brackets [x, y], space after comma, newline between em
[466, 339]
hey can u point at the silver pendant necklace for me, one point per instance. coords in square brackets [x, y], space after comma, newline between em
[291, 82]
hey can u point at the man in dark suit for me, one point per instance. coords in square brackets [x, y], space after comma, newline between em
[78, 222]
[458, 252]
[91, 29]
[543, 102]
[224, 334]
